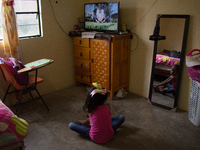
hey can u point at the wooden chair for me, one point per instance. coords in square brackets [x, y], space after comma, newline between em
[30, 86]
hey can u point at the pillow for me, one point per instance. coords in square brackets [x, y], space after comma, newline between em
[175, 54]
[166, 51]
[12, 128]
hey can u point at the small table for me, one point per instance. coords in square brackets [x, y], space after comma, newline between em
[35, 65]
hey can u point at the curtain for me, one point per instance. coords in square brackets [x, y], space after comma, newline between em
[10, 33]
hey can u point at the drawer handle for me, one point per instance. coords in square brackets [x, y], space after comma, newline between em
[81, 54]
[92, 60]
[80, 41]
[81, 76]
[81, 65]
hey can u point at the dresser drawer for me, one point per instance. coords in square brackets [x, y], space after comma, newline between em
[78, 41]
[83, 77]
[82, 64]
[83, 53]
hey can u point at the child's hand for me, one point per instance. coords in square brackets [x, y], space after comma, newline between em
[156, 88]
[85, 122]
[88, 115]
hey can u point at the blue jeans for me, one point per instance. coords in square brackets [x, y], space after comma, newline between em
[83, 130]
[170, 89]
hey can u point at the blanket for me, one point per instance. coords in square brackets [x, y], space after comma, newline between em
[166, 60]
[12, 128]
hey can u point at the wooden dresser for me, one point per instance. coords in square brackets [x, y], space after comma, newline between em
[104, 62]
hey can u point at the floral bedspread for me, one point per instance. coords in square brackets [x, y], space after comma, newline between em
[12, 128]
[169, 61]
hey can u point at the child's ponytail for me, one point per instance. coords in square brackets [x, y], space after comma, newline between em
[95, 97]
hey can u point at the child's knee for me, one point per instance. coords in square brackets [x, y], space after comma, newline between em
[71, 125]
[122, 118]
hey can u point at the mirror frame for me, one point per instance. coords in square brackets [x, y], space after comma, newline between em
[184, 40]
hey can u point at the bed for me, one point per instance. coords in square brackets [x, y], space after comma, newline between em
[13, 129]
[164, 63]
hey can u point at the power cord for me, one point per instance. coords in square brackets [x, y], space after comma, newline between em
[136, 44]
[56, 19]
[137, 23]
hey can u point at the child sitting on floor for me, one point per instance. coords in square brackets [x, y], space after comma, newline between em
[99, 127]
[169, 85]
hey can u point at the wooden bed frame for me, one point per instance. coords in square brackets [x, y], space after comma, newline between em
[163, 70]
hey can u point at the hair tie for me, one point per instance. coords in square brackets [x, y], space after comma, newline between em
[99, 89]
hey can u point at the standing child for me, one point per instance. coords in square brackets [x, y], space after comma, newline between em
[99, 127]
[169, 85]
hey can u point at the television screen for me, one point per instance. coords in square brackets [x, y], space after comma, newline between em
[102, 16]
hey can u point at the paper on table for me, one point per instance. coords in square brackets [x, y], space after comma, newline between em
[37, 63]
[89, 34]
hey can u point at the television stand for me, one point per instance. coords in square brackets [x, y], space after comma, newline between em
[112, 33]
[117, 33]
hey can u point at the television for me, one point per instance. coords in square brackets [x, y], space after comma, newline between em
[103, 16]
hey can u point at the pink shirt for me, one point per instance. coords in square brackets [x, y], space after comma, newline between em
[101, 129]
[174, 83]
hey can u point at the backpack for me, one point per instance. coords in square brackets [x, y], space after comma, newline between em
[13, 65]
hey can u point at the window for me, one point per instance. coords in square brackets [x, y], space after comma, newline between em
[28, 18]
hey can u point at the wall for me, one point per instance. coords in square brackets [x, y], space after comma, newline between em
[172, 29]
[140, 16]
[139, 78]
[55, 44]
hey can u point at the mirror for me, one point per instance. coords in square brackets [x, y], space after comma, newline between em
[168, 57]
